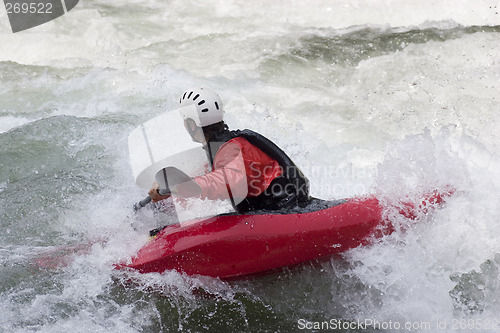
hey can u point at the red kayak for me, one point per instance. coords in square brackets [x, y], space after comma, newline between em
[232, 245]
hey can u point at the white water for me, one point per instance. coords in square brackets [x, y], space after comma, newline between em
[367, 97]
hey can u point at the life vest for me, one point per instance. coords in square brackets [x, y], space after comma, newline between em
[289, 189]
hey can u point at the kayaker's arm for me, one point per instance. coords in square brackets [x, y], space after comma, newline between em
[229, 177]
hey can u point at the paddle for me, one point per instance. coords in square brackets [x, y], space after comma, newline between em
[147, 200]
[141, 204]
[172, 180]
[161, 179]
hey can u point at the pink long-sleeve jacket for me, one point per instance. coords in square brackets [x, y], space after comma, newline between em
[240, 166]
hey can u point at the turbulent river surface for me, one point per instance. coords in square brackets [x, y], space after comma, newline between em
[367, 97]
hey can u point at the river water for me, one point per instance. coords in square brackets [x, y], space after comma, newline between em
[367, 97]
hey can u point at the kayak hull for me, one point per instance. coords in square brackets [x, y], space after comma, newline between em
[231, 246]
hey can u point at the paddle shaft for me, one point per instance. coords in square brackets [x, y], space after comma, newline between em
[142, 203]
[147, 200]
[161, 178]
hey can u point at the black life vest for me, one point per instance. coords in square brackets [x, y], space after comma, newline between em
[288, 190]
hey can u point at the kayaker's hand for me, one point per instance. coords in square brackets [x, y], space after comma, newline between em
[153, 193]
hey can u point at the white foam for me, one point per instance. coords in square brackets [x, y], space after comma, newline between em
[8, 122]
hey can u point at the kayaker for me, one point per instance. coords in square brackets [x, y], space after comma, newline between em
[246, 167]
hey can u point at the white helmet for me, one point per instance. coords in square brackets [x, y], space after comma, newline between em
[202, 105]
